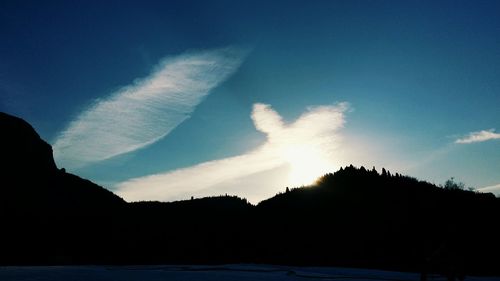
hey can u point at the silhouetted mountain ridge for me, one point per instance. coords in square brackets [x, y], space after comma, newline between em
[353, 217]
[23, 149]
[31, 178]
[45, 212]
[382, 219]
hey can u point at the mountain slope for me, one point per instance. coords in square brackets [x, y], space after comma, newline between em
[46, 214]
[353, 217]
[29, 175]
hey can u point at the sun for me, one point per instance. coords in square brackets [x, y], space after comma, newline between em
[307, 164]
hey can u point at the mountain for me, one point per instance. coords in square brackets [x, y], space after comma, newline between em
[354, 217]
[361, 217]
[23, 149]
[30, 175]
[42, 207]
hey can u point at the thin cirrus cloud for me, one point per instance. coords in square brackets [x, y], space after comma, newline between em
[495, 189]
[306, 146]
[480, 136]
[146, 111]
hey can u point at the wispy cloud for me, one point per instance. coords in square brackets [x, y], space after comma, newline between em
[495, 189]
[480, 136]
[146, 111]
[307, 146]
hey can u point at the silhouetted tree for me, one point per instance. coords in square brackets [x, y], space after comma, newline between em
[451, 184]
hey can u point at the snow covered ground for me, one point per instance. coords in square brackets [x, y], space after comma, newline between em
[197, 272]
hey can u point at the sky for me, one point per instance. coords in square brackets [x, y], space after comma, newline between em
[164, 100]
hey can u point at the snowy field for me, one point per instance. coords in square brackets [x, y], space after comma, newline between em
[215, 273]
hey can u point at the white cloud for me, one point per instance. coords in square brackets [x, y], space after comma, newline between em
[307, 146]
[480, 136]
[495, 189]
[146, 111]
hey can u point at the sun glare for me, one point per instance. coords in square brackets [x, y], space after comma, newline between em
[307, 164]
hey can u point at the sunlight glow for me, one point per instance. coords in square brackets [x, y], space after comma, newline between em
[307, 163]
[308, 147]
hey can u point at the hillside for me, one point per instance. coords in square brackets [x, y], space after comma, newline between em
[30, 176]
[354, 217]
[46, 213]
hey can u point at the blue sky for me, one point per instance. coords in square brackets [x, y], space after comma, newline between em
[411, 85]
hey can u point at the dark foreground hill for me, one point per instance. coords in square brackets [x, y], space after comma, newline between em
[354, 217]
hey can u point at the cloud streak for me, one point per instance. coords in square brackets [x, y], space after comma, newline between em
[480, 136]
[142, 113]
[305, 145]
[495, 189]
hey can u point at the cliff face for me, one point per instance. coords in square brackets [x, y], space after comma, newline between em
[31, 182]
[46, 214]
[23, 151]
